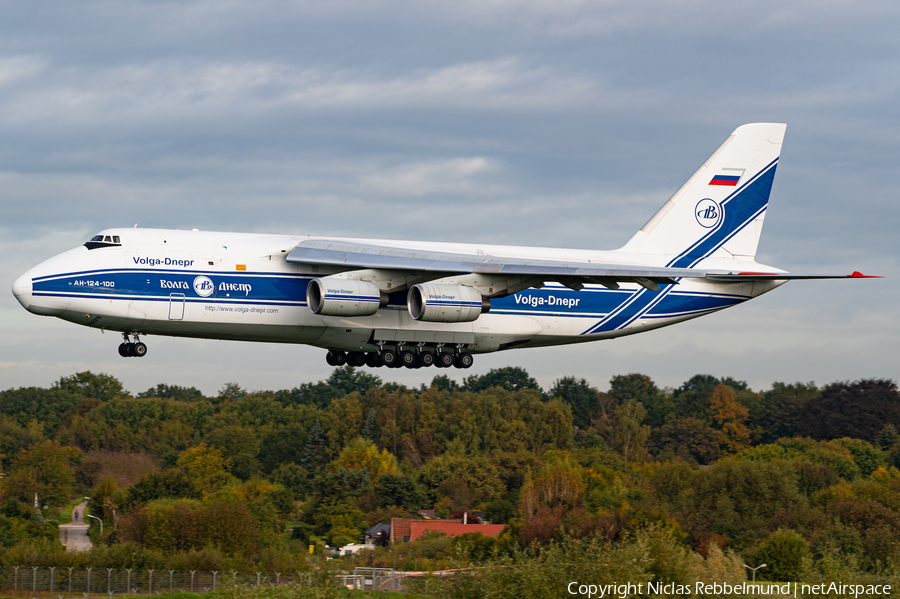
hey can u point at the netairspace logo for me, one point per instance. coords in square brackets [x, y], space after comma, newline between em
[625, 590]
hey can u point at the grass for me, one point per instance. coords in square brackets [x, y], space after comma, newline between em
[65, 512]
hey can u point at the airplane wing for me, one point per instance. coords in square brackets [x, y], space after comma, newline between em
[354, 256]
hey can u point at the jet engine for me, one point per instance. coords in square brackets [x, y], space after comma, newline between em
[330, 296]
[445, 303]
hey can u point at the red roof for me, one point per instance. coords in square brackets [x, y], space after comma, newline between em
[400, 527]
[417, 529]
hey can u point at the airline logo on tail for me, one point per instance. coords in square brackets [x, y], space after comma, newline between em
[708, 213]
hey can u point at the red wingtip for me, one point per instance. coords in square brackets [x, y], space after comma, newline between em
[858, 275]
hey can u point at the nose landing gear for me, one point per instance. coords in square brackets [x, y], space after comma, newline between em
[127, 349]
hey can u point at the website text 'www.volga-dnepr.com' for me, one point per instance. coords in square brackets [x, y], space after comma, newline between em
[241, 310]
[793, 589]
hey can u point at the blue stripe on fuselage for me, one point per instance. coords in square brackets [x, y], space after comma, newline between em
[159, 284]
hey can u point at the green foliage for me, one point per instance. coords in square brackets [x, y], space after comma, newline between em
[162, 485]
[739, 497]
[581, 397]
[175, 392]
[640, 387]
[867, 457]
[293, 478]
[778, 414]
[783, 552]
[887, 438]
[859, 410]
[43, 470]
[33, 404]
[687, 438]
[182, 525]
[169, 466]
[86, 384]
[511, 378]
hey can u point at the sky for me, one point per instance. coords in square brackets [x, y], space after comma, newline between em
[560, 123]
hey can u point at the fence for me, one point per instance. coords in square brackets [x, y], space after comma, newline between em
[139, 581]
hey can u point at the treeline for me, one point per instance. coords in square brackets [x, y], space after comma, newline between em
[792, 476]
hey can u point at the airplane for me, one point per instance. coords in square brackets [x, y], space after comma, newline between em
[414, 303]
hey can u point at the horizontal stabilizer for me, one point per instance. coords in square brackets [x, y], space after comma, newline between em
[743, 277]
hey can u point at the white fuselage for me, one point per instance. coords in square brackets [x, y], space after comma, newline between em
[239, 286]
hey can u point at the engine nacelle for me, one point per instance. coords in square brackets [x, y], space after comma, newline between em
[330, 296]
[445, 303]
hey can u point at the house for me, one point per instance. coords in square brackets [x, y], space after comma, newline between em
[378, 535]
[404, 530]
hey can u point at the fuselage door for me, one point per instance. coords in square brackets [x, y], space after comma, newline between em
[176, 306]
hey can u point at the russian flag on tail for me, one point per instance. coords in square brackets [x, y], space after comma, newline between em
[726, 180]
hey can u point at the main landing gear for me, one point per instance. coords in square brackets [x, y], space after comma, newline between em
[132, 350]
[421, 356]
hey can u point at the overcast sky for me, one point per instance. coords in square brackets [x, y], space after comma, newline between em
[534, 122]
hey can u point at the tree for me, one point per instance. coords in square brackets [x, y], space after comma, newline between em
[33, 404]
[170, 483]
[687, 437]
[730, 415]
[231, 392]
[692, 398]
[511, 378]
[859, 410]
[559, 482]
[444, 383]
[361, 454]
[778, 414]
[628, 435]
[240, 446]
[346, 380]
[887, 438]
[175, 392]
[316, 454]
[370, 428]
[784, 552]
[293, 478]
[87, 384]
[45, 470]
[400, 490]
[580, 396]
[641, 387]
[207, 465]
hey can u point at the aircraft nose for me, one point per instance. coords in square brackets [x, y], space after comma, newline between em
[22, 289]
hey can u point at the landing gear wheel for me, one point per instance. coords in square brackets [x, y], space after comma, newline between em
[373, 360]
[356, 358]
[329, 357]
[139, 350]
[444, 360]
[426, 359]
[389, 358]
[340, 358]
[464, 360]
[408, 359]
[123, 350]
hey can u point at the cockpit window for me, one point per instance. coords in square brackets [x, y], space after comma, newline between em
[103, 241]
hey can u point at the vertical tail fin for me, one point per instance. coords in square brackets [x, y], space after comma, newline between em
[720, 209]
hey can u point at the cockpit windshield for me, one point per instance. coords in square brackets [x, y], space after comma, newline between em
[103, 241]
